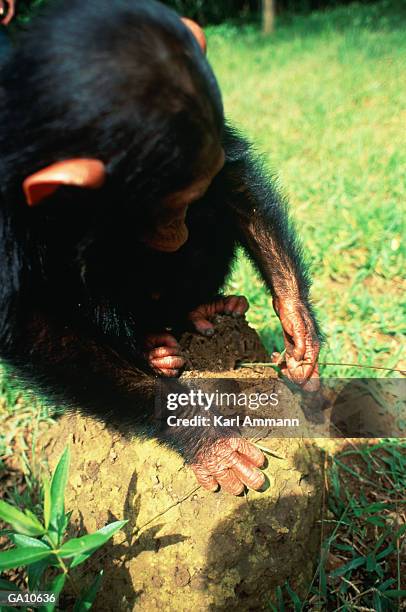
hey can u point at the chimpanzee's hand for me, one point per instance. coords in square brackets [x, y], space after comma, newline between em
[230, 463]
[235, 305]
[301, 343]
[7, 10]
[163, 354]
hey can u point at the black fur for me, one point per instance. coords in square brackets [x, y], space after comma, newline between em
[126, 83]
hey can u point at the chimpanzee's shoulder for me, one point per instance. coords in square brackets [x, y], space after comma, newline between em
[236, 146]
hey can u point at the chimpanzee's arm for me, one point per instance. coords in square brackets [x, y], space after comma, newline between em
[75, 366]
[73, 363]
[267, 233]
[82, 371]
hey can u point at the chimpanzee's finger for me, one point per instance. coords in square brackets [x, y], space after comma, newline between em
[298, 338]
[313, 383]
[165, 351]
[173, 363]
[289, 372]
[245, 447]
[228, 481]
[229, 305]
[236, 305]
[157, 340]
[295, 370]
[168, 373]
[204, 477]
[203, 326]
[198, 318]
[243, 304]
[5, 20]
[248, 474]
[304, 374]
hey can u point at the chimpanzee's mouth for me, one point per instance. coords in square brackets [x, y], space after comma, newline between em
[169, 238]
[168, 243]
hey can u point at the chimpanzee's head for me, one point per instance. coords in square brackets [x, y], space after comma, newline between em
[118, 97]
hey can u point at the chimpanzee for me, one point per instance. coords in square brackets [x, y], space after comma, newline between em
[124, 195]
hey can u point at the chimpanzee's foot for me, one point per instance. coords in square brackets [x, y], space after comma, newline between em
[163, 353]
[235, 305]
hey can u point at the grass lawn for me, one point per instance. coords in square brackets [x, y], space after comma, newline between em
[324, 100]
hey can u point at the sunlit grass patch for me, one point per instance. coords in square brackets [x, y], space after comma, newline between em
[363, 551]
[324, 100]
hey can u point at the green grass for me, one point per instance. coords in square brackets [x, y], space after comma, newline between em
[362, 557]
[324, 100]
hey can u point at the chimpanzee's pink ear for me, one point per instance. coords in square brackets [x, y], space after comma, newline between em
[197, 32]
[87, 173]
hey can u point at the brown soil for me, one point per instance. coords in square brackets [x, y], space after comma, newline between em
[233, 341]
[184, 548]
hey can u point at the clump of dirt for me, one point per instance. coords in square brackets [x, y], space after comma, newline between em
[233, 341]
[185, 548]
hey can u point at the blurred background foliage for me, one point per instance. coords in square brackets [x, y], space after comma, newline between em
[218, 11]
[213, 11]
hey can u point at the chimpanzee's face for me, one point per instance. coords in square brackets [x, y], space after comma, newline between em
[168, 231]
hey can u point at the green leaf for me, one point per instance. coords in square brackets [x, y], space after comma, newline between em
[294, 597]
[5, 585]
[46, 487]
[344, 547]
[399, 533]
[395, 593]
[32, 516]
[387, 551]
[81, 558]
[25, 523]
[5, 532]
[375, 507]
[279, 597]
[382, 587]
[79, 546]
[376, 520]
[23, 540]
[21, 556]
[55, 587]
[353, 564]
[87, 599]
[35, 572]
[323, 582]
[377, 602]
[379, 571]
[107, 529]
[58, 486]
[371, 563]
[63, 522]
